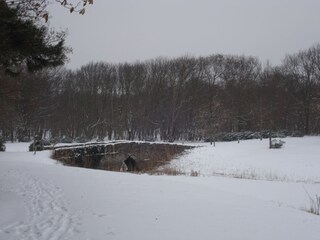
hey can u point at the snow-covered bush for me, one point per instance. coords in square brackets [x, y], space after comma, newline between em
[39, 145]
[2, 146]
[246, 135]
[81, 140]
[66, 140]
[194, 173]
[235, 136]
[56, 140]
[277, 143]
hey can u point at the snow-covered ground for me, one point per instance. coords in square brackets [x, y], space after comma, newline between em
[41, 199]
[297, 161]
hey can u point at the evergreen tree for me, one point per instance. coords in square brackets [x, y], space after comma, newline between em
[25, 43]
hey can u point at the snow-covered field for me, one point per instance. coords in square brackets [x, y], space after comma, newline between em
[297, 161]
[244, 191]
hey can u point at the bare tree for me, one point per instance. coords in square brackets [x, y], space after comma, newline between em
[240, 79]
[302, 71]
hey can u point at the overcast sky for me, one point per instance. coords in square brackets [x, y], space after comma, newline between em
[129, 30]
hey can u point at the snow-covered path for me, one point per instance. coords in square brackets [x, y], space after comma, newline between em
[43, 212]
[40, 199]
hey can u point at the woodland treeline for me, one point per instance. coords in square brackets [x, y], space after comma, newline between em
[190, 98]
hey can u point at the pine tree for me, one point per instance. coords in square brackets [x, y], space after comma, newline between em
[25, 43]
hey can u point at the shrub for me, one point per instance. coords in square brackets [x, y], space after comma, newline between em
[194, 173]
[314, 205]
[167, 170]
[2, 146]
[246, 135]
[65, 140]
[275, 143]
[80, 140]
[39, 145]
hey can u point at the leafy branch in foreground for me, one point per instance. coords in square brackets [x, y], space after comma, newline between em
[37, 9]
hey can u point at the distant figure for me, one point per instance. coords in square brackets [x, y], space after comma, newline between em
[123, 167]
[131, 164]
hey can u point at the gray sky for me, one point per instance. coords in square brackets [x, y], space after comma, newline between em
[129, 30]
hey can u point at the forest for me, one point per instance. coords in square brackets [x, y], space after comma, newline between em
[185, 98]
